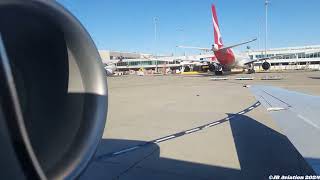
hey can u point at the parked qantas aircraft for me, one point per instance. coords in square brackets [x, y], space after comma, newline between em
[222, 59]
[224, 55]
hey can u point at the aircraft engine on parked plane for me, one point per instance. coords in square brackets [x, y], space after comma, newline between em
[265, 66]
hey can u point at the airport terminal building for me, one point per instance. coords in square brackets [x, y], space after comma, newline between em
[135, 60]
[303, 57]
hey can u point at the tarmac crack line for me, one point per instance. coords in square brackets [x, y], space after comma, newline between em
[136, 163]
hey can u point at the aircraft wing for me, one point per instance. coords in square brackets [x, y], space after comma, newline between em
[221, 49]
[194, 58]
[235, 45]
[297, 115]
[198, 48]
[265, 58]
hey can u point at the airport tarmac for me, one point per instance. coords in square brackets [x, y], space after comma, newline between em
[191, 127]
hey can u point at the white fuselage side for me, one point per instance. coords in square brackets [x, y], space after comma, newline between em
[241, 61]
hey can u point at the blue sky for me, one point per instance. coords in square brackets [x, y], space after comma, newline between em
[127, 25]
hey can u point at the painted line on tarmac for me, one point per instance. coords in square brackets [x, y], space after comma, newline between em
[211, 124]
[192, 130]
[176, 135]
[164, 139]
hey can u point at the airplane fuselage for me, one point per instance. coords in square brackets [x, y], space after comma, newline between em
[228, 59]
[225, 58]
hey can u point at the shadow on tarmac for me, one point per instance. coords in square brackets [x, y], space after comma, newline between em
[261, 152]
[314, 77]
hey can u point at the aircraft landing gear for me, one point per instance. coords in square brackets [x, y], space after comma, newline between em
[218, 73]
[251, 71]
[218, 70]
[187, 69]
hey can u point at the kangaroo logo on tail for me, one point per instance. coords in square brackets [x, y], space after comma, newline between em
[217, 34]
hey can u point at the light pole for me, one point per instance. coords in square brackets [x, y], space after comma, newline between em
[266, 33]
[181, 30]
[155, 21]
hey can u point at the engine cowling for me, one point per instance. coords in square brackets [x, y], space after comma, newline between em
[265, 66]
[212, 67]
[53, 92]
[187, 69]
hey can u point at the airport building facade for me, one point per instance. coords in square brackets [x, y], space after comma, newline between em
[303, 57]
[135, 61]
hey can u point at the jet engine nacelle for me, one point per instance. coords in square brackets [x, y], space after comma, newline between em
[53, 111]
[212, 67]
[265, 65]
